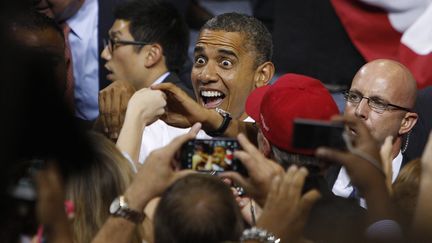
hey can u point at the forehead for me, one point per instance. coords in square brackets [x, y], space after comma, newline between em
[233, 41]
[120, 28]
[376, 83]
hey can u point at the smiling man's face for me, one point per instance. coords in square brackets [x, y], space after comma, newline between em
[223, 74]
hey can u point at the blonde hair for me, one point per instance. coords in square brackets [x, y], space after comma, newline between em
[405, 191]
[93, 190]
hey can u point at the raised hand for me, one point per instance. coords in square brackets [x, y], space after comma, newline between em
[261, 171]
[286, 210]
[113, 102]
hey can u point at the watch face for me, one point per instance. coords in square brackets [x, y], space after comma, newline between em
[115, 206]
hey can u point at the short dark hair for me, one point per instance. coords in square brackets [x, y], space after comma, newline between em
[256, 34]
[286, 159]
[198, 208]
[158, 22]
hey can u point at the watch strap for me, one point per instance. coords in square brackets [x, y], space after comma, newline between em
[223, 127]
[127, 213]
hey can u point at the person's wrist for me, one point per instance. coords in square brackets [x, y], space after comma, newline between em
[136, 200]
[212, 120]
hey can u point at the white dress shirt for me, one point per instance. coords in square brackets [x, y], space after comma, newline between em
[343, 187]
[83, 40]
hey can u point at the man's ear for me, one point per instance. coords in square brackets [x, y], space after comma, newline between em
[263, 74]
[408, 122]
[264, 145]
[153, 55]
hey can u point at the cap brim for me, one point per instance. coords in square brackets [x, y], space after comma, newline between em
[253, 102]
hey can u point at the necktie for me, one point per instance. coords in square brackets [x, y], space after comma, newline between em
[69, 91]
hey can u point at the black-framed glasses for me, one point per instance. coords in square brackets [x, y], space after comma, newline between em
[375, 103]
[112, 44]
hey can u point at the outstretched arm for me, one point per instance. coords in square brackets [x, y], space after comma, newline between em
[182, 111]
[152, 179]
[144, 108]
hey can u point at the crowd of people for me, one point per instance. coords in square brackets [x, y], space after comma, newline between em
[101, 101]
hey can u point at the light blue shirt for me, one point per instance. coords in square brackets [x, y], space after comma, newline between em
[83, 40]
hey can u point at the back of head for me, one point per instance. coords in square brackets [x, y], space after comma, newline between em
[30, 20]
[197, 208]
[154, 21]
[93, 190]
[259, 39]
[275, 107]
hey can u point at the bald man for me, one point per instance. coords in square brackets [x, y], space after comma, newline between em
[382, 94]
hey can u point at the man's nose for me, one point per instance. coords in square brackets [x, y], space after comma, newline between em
[208, 74]
[106, 55]
[362, 109]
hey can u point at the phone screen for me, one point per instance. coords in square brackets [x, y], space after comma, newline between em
[211, 155]
[311, 134]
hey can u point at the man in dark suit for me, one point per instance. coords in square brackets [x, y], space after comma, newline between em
[87, 22]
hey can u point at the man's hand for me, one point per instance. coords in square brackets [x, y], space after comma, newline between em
[113, 101]
[182, 111]
[364, 173]
[260, 169]
[157, 172]
[286, 210]
[364, 167]
[387, 161]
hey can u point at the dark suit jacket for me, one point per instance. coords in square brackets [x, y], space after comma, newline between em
[173, 78]
[421, 130]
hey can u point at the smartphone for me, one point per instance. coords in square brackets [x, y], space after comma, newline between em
[311, 134]
[211, 155]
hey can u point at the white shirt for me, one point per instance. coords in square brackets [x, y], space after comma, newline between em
[83, 40]
[160, 134]
[343, 187]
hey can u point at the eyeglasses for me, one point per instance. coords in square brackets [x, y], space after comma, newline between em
[376, 104]
[112, 44]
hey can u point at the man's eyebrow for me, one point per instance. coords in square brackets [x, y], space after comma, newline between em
[227, 52]
[377, 97]
[114, 33]
[198, 49]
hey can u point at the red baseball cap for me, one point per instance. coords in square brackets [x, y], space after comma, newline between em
[274, 107]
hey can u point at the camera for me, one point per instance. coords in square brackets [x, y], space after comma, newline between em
[311, 134]
[211, 156]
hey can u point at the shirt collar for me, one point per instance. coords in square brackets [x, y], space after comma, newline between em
[161, 78]
[345, 180]
[84, 22]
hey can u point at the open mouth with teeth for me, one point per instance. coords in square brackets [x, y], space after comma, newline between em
[211, 98]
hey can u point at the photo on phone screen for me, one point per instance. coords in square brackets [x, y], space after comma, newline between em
[211, 155]
[311, 134]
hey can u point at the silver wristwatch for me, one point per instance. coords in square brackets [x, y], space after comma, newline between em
[260, 235]
[119, 208]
